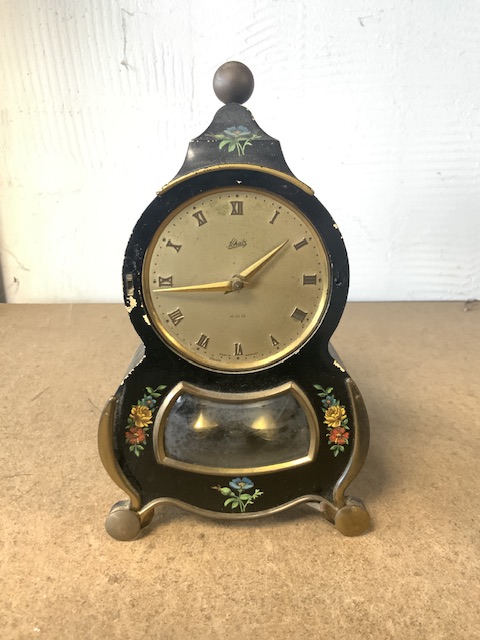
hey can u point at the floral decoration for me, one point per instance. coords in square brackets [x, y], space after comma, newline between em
[336, 419]
[235, 493]
[140, 419]
[236, 138]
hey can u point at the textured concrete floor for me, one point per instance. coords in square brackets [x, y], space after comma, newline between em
[415, 575]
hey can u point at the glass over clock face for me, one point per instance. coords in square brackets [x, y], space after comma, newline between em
[236, 279]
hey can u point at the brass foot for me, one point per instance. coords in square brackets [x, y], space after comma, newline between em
[122, 523]
[353, 519]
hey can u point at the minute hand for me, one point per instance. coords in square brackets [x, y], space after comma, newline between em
[256, 266]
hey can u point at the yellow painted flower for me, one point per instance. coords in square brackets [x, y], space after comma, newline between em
[142, 416]
[334, 416]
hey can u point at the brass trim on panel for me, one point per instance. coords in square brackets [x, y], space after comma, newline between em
[219, 515]
[185, 387]
[252, 167]
[107, 455]
[361, 441]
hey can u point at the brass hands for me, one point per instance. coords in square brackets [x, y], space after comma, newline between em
[226, 286]
[256, 266]
[235, 284]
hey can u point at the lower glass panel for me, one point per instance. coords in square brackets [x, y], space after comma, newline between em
[249, 433]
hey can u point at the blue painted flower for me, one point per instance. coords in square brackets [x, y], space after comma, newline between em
[329, 401]
[237, 132]
[147, 401]
[241, 483]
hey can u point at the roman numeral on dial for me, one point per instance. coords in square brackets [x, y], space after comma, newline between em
[298, 314]
[203, 341]
[300, 244]
[165, 282]
[277, 213]
[237, 208]
[200, 217]
[237, 349]
[176, 316]
[177, 247]
[310, 279]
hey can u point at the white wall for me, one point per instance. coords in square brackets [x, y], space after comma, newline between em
[377, 105]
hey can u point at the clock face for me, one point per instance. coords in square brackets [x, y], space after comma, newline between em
[236, 279]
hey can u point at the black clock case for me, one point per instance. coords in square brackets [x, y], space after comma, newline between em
[323, 479]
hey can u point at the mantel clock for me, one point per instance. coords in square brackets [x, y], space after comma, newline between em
[235, 277]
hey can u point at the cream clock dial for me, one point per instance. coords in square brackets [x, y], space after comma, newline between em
[236, 279]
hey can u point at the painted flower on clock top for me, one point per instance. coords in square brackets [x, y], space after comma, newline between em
[336, 419]
[236, 138]
[141, 418]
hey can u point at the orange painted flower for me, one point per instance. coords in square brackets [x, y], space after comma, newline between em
[334, 415]
[141, 415]
[339, 435]
[135, 436]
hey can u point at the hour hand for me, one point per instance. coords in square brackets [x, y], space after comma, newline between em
[226, 286]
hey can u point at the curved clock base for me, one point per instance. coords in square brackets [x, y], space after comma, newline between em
[124, 523]
[128, 517]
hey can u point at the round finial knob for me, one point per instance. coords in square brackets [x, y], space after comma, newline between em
[233, 82]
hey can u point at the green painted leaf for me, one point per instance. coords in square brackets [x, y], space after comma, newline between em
[336, 452]
[245, 496]
[235, 503]
[329, 390]
[228, 501]
[224, 143]
[232, 146]
[318, 386]
[149, 389]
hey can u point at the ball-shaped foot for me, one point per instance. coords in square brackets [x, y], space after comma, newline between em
[122, 523]
[352, 519]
